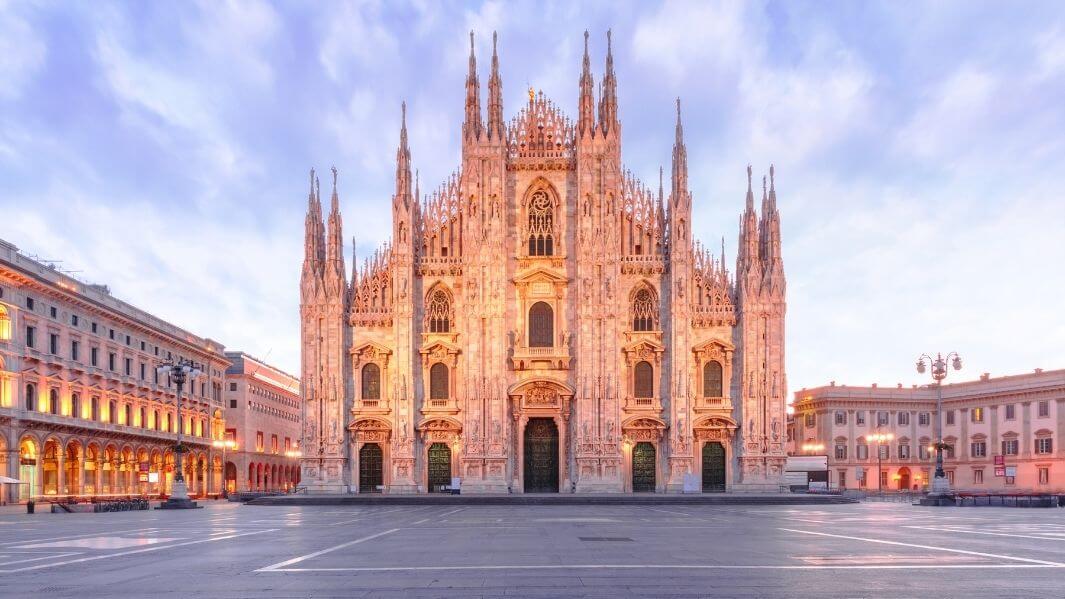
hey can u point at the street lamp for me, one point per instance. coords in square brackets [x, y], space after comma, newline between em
[813, 448]
[224, 445]
[179, 372]
[940, 484]
[880, 438]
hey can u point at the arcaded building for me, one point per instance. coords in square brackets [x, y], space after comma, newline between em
[263, 413]
[82, 410]
[1004, 434]
[544, 321]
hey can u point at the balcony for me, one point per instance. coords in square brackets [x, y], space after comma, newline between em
[440, 406]
[528, 358]
[371, 406]
[643, 404]
[706, 404]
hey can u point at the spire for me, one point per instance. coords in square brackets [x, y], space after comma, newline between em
[354, 265]
[314, 231]
[334, 249]
[749, 241]
[586, 103]
[660, 177]
[680, 162]
[750, 191]
[471, 128]
[495, 96]
[608, 109]
[403, 162]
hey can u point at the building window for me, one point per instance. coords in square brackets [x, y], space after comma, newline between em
[948, 452]
[112, 413]
[861, 451]
[53, 344]
[843, 479]
[859, 418]
[1010, 480]
[273, 443]
[74, 319]
[713, 381]
[94, 408]
[904, 418]
[371, 381]
[1011, 412]
[74, 346]
[882, 418]
[1009, 446]
[977, 414]
[233, 403]
[884, 451]
[259, 441]
[5, 324]
[94, 356]
[75, 405]
[129, 369]
[883, 479]
[31, 336]
[841, 451]
[92, 327]
[29, 303]
[904, 452]
[643, 380]
[1044, 445]
[438, 383]
[644, 312]
[53, 312]
[127, 340]
[111, 334]
[541, 325]
[950, 477]
[53, 401]
[1044, 475]
[438, 312]
[809, 419]
[923, 451]
[978, 449]
[129, 415]
[143, 371]
[841, 417]
[1044, 409]
[950, 417]
[111, 361]
[541, 224]
[978, 476]
[923, 419]
[232, 386]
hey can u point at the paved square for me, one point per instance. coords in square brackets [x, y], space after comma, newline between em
[232, 550]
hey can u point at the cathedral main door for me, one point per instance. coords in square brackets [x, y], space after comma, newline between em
[371, 468]
[713, 468]
[439, 467]
[643, 468]
[541, 456]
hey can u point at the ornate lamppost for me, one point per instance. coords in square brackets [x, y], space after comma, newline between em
[224, 445]
[180, 371]
[940, 494]
[880, 439]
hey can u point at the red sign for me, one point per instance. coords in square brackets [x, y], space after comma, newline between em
[1000, 460]
[1000, 471]
[144, 466]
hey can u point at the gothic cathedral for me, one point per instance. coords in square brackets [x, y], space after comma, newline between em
[543, 322]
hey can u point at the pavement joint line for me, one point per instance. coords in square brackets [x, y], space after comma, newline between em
[985, 532]
[296, 560]
[132, 552]
[668, 567]
[932, 547]
[669, 512]
[37, 559]
[72, 537]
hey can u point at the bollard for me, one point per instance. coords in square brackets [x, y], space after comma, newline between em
[29, 507]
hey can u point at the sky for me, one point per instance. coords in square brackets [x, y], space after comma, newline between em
[163, 148]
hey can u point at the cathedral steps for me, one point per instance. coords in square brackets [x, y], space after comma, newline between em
[557, 499]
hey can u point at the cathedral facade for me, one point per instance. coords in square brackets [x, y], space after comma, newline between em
[543, 322]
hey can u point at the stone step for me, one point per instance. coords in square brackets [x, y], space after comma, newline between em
[555, 499]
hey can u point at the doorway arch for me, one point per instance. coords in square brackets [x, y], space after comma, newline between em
[371, 468]
[540, 464]
[439, 467]
[904, 479]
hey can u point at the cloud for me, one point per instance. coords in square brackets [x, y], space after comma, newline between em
[355, 37]
[22, 51]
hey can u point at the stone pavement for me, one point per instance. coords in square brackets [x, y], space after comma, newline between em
[233, 550]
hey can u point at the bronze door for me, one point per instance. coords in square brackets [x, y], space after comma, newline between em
[371, 468]
[643, 467]
[541, 456]
[713, 468]
[439, 467]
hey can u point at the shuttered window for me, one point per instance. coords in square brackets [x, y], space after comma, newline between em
[541, 325]
[371, 381]
[438, 387]
[643, 382]
[712, 379]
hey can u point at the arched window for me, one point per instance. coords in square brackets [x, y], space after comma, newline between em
[438, 384]
[371, 381]
[143, 420]
[541, 231]
[643, 384]
[112, 412]
[438, 312]
[94, 406]
[31, 397]
[541, 325]
[169, 427]
[158, 421]
[5, 324]
[712, 383]
[53, 401]
[129, 415]
[644, 312]
[75, 405]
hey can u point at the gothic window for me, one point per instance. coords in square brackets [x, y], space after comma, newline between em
[541, 233]
[643, 380]
[371, 381]
[438, 385]
[541, 325]
[712, 383]
[438, 312]
[643, 310]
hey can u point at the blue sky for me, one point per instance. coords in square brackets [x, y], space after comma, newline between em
[163, 148]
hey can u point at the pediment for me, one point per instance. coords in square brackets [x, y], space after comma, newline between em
[715, 422]
[713, 344]
[438, 423]
[540, 274]
[369, 424]
[644, 422]
[371, 347]
[644, 345]
[440, 348]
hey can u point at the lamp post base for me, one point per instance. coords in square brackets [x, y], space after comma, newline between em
[179, 498]
[940, 494]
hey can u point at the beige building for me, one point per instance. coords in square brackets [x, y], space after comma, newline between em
[82, 410]
[1004, 433]
[544, 321]
[263, 414]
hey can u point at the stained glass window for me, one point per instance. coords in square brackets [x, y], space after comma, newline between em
[371, 381]
[712, 379]
[643, 381]
[541, 325]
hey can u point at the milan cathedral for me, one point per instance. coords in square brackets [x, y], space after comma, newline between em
[543, 322]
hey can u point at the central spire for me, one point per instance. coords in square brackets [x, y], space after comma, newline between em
[471, 128]
[495, 96]
[680, 161]
[403, 161]
[586, 116]
[608, 104]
